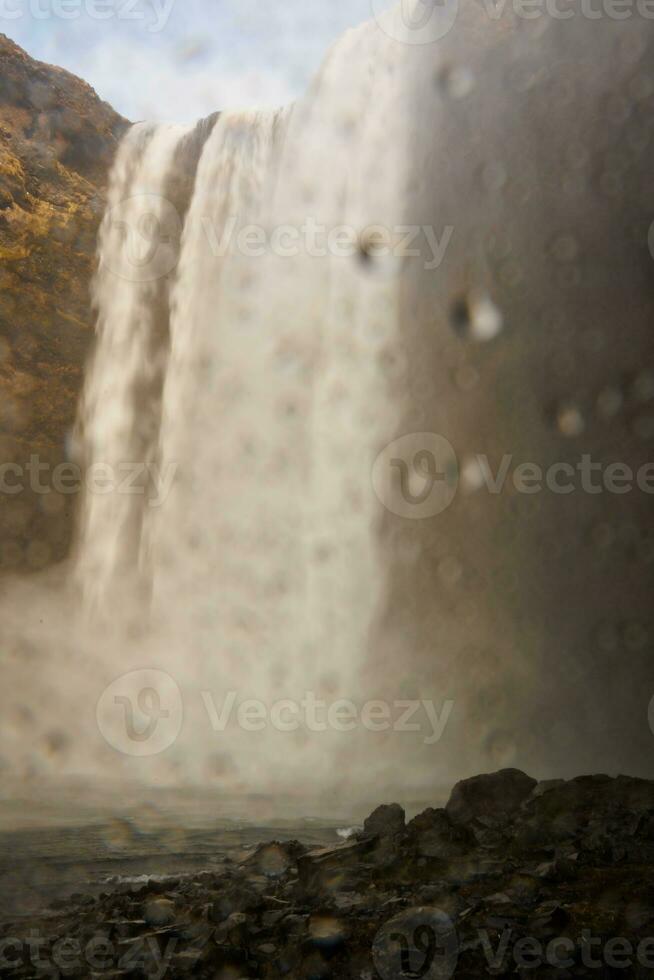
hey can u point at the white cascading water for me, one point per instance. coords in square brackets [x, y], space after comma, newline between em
[268, 391]
[116, 418]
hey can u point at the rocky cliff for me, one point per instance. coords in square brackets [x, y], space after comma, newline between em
[57, 141]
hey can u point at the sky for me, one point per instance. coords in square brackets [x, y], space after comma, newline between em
[178, 60]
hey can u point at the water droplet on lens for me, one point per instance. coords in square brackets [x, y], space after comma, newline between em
[641, 87]
[643, 427]
[457, 82]
[611, 184]
[450, 570]
[570, 420]
[38, 554]
[635, 636]
[607, 637]
[609, 402]
[565, 249]
[467, 377]
[643, 386]
[618, 109]
[603, 536]
[511, 273]
[477, 318]
[472, 474]
[494, 175]
[577, 154]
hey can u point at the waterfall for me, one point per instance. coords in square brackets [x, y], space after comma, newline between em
[253, 368]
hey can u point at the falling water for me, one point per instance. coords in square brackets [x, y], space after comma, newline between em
[257, 375]
[256, 384]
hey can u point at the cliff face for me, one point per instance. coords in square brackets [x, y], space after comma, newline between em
[57, 141]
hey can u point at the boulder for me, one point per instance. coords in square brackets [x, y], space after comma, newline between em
[490, 798]
[386, 821]
[436, 836]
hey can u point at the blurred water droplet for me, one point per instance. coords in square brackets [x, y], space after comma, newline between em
[632, 48]
[645, 548]
[52, 504]
[609, 402]
[611, 184]
[457, 82]
[641, 87]
[56, 743]
[577, 154]
[569, 420]
[472, 474]
[607, 637]
[643, 387]
[273, 861]
[476, 317]
[618, 109]
[565, 249]
[11, 554]
[643, 427]
[326, 931]
[38, 554]
[635, 636]
[466, 377]
[510, 273]
[593, 340]
[574, 185]
[501, 748]
[450, 570]
[602, 536]
[494, 175]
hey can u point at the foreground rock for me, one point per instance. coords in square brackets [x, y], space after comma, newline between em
[557, 884]
[57, 142]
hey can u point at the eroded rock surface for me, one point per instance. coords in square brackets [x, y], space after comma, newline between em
[57, 142]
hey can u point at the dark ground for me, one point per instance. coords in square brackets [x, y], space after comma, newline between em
[512, 878]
